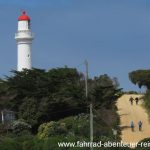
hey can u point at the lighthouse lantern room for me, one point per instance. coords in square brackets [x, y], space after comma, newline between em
[24, 39]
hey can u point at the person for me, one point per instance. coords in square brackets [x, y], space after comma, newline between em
[136, 100]
[132, 126]
[140, 125]
[131, 100]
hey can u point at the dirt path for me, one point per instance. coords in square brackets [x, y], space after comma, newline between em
[133, 113]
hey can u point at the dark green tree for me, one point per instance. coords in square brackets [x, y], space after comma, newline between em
[140, 77]
[104, 90]
[40, 96]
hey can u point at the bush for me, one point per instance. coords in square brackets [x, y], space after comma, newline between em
[69, 126]
[79, 126]
[132, 92]
[51, 129]
[20, 126]
[9, 144]
[141, 146]
[2, 128]
[28, 145]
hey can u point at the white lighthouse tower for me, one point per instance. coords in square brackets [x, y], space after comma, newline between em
[24, 39]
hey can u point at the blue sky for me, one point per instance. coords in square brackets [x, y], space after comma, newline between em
[113, 35]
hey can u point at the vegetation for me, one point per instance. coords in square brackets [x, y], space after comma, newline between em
[52, 105]
[131, 92]
[28, 142]
[19, 126]
[142, 78]
[76, 126]
[39, 96]
[143, 144]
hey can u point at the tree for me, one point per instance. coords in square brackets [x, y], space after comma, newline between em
[104, 90]
[40, 96]
[140, 77]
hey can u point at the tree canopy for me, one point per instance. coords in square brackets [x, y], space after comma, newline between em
[140, 77]
[40, 96]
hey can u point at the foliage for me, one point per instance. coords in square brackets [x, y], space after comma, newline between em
[2, 128]
[131, 92]
[141, 145]
[51, 129]
[79, 126]
[28, 110]
[34, 143]
[50, 143]
[147, 101]
[70, 129]
[40, 96]
[9, 144]
[70, 126]
[104, 90]
[140, 77]
[19, 126]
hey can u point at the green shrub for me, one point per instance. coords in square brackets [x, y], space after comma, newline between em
[51, 129]
[28, 145]
[9, 144]
[141, 146]
[19, 126]
[69, 126]
[2, 128]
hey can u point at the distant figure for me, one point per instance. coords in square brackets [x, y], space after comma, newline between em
[136, 100]
[131, 100]
[132, 126]
[140, 125]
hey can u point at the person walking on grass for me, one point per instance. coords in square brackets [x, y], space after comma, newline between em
[132, 126]
[140, 125]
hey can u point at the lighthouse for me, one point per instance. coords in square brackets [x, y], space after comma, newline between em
[24, 39]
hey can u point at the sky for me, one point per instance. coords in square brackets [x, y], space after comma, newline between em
[113, 35]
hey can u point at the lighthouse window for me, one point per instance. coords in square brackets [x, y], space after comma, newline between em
[28, 55]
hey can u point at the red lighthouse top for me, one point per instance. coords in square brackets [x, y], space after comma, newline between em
[24, 17]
